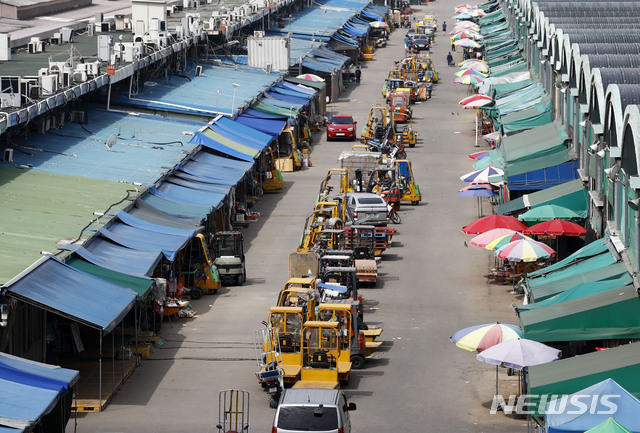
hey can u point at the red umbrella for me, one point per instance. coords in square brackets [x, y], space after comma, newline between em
[557, 227]
[494, 221]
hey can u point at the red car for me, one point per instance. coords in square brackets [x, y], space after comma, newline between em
[341, 127]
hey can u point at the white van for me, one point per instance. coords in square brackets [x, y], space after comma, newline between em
[313, 410]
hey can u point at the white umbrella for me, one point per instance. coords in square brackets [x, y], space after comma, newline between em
[518, 353]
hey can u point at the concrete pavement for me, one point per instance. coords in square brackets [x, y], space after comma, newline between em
[431, 285]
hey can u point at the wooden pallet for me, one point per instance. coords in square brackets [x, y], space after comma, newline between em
[87, 391]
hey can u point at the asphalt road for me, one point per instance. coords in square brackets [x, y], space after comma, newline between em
[431, 285]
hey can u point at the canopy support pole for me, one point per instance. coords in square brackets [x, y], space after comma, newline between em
[476, 145]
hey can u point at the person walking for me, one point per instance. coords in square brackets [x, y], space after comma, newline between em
[453, 45]
[450, 59]
[444, 27]
[358, 74]
[429, 89]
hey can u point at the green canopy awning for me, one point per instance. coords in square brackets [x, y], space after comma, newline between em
[608, 315]
[592, 249]
[567, 376]
[275, 110]
[571, 195]
[518, 121]
[529, 144]
[598, 268]
[580, 291]
[559, 156]
[140, 285]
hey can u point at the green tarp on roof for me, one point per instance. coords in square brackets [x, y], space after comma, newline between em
[608, 315]
[528, 118]
[597, 268]
[276, 110]
[579, 291]
[39, 209]
[529, 144]
[140, 285]
[567, 376]
[557, 157]
[230, 143]
[571, 195]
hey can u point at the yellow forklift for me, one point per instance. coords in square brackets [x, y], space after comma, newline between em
[198, 273]
[286, 323]
[300, 292]
[288, 155]
[271, 178]
[410, 191]
[341, 186]
[352, 354]
[376, 124]
[320, 353]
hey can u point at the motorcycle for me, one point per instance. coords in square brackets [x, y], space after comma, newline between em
[393, 214]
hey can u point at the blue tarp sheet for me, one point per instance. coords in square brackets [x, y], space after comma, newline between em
[244, 132]
[262, 115]
[150, 227]
[272, 127]
[571, 419]
[44, 370]
[146, 240]
[176, 208]
[55, 286]
[27, 378]
[288, 98]
[545, 177]
[103, 252]
[200, 138]
[316, 66]
[23, 405]
[190, 195]
[298, 88]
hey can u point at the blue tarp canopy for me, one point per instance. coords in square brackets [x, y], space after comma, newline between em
[208, 166]
[29, 390]
[571, 420]
[287, 98]
[137, 234]
[262, 115]
[316, 65]
[103, 252]
[243, 132]
[200, 138]
[298, 88]
[176, 208]
[56, 287]
[70, 377]
[189, 193]
[151, 214]
[272, 127]
[545, 178]
[21, 406]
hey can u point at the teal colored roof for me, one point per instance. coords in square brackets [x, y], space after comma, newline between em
[571, 195]
[199, 95]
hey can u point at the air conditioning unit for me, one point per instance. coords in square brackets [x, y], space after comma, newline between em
[119, 22]
[127, 24]
[187, 4]
[56, 39]
[78, 116]
[5, 47]
[198, 70]
[105, 47]
[10, 100]
[246, 10]
[215, 13]
[208, 25]
[7, 155]
[66, 34]
[269, 68]
[80, 76]
[254, 8]
[93, 69]
[48, 85]
[36, 46]
[44, 125]
[258, 34]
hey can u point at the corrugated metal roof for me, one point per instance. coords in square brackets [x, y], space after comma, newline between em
[199, 95]
[145, 147]
[38, 209]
